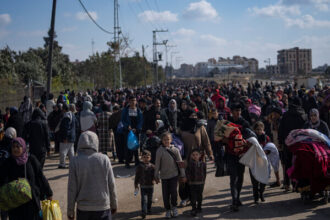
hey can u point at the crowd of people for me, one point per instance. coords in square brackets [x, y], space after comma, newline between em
[178, 127]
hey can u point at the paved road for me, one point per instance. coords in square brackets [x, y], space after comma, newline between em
[216, 202]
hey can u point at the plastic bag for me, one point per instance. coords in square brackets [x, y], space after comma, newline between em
[51, 210]
[132, 141]
[176, 141]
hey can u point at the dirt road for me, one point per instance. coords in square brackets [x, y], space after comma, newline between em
[216, 202]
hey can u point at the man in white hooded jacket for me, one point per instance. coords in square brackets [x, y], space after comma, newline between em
[91, 182]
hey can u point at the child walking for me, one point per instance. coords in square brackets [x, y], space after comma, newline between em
[259, 188]
[196, 175]
[144, 177]
[168, 169]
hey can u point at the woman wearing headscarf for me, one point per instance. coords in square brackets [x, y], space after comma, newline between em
[88, 119]
[172, 115]
[194, 136]
[316, 123]
[22, 165]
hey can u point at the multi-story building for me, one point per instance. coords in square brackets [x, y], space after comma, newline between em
[294, 61]
[272, 69]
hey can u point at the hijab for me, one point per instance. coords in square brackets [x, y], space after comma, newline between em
[172, 109]
[21, 160]
[317, 124]
[87, 109]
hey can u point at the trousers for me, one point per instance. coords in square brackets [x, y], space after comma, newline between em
[66, 149]
[170, 192]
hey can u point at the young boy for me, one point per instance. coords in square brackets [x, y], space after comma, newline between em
[271, 151]
[196, 175]
[144, 177]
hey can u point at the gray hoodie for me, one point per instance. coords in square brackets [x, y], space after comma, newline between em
[91, 180]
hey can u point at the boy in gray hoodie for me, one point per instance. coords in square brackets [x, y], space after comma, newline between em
[91, 182]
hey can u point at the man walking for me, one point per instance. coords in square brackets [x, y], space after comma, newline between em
[91, 182]
[67, 133]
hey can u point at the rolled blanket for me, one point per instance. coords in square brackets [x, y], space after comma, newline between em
[306, 135]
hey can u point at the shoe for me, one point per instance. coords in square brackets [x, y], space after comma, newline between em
[175, 212]
[256, 202]
[143, 215]
[239, 203]
[273, 185]
[127, 166]
[61, 167]
[199, 210]
[262, 198]
[234, 208]
[168, 214]
[183, 203]
[149, 211]
[193, 213]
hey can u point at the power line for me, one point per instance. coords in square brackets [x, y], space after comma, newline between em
[99, 26]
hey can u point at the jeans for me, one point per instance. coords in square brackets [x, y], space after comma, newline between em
[146, 199]
[236, 172]
[196, 195]
[94, 215]
[170, 193]
[258, 188]
[65, 148]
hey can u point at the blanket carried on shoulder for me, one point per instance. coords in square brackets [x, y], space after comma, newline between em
[256, 159]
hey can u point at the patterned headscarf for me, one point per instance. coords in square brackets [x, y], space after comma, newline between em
[21, 160]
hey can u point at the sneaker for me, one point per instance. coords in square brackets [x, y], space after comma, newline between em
[168, 214]
[193, 213]
[61, 167]
[239, 203]
[175, 212]
[143, 215]
[273, 185]
[149, 211]
[183, 203]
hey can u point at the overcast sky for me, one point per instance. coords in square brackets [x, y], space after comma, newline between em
[201, 29]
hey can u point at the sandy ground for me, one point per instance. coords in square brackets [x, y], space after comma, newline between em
[217, 198]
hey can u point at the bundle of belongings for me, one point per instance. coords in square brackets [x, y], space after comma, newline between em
[251, 155]
[311, 161]
[226, 130]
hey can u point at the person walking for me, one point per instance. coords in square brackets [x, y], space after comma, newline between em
[91, 182]
[67, 133]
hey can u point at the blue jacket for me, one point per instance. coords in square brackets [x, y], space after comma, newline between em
[68, 128]
[125, 119]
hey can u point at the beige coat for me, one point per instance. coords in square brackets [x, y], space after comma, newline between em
[199, 140]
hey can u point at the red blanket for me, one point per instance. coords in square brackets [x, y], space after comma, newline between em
[312, 163]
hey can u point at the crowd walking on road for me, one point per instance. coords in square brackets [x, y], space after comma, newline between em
[169, 134]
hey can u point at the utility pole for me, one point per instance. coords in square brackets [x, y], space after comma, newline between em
[268, 62]
[154, 50]
[117, 32]
[167, 48]
[93, 46]
[172, 53]
[144, 61]
[50, 52]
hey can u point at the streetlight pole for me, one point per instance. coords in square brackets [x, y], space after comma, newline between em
[50, 52]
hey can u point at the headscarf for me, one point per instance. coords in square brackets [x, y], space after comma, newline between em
[10, 133]
[87, 109]
[317, 124]
[174, 109]
[23, 158]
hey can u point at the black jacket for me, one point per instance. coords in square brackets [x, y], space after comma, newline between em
[36, 133]
[16, 121]
[149, 119]
[39, 185]
[172, 119]
[323, 128]
[294, 118]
